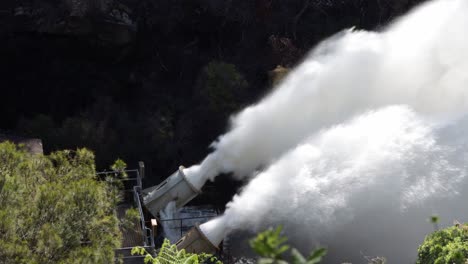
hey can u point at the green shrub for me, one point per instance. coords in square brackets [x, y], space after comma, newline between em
[169, 254]
[449, 245]
[221, 87]
[131, 218]
[270, 246]
[54, 210]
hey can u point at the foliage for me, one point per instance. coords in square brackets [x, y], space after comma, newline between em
[220, 86]
[131, 217]
[53, 209]
[435, 221]
[110, 132]
[270, 246]
[449, 245]
[169, 254]
[119, 166]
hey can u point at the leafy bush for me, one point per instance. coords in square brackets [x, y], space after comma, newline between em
[270, 246]
[54, 210]
[169, 254]
[449, 245]
[131, 218]
[221, 86]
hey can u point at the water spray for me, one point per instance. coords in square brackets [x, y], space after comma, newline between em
[333, 172]
[360, 144]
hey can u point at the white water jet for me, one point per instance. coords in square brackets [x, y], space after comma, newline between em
[344, 165]
[388, 166]
[170, 226]
[387, 158]
[420, 61]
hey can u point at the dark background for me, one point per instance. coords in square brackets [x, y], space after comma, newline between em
[155, 80]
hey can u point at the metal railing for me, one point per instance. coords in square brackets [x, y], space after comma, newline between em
[135, 189]
[147, 233]
[184, 228]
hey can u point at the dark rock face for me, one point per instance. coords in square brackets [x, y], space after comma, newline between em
[103, 21]
[125, 77]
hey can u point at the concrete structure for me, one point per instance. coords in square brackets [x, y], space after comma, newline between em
[175, 188]
[175, 226]
[196, 242]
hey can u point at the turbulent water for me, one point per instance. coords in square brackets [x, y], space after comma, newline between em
[170, 227]
[360, 143]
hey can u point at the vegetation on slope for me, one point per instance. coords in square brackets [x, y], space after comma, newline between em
[53, 209]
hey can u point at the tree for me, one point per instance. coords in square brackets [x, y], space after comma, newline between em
[53, 209]
[449, 245]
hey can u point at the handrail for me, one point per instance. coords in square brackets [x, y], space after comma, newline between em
[185, 218]
[145, 230]
[114, 171]
[147, 233]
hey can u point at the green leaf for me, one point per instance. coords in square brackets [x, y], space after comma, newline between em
[297, 257]
[317, 256]
[169, 254]
[269, 244]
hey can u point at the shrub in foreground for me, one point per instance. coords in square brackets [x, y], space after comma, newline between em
[54, 210]
[446, 246]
